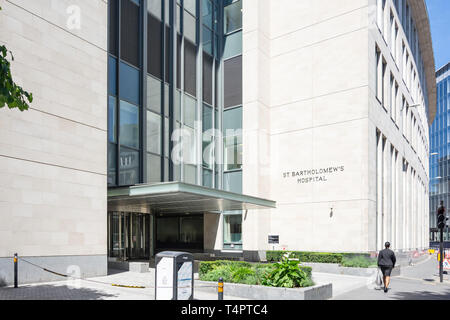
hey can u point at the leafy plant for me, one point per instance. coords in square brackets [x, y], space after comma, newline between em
[207, 266]
[224, 272]
[11, 94]
[287, 274]
[242, 273]
[247, 273]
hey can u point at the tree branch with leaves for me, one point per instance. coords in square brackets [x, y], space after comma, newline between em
[11, 94]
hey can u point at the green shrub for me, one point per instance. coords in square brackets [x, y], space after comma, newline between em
[287, 274]
[358, 262]
[242, 273]
[353, 255]
[207, 266]
[215, 274]
[307, 270]
[319, 257]
[262, 271]
[251, 274]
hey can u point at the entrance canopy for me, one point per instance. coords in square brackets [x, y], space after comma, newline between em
[177, 197]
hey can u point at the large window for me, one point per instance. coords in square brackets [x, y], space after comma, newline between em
[129, 125]
[232, 231]
[129, 29]
[154, 52]
[190, 68]
[233, 17]
[233, 82]
[232, 130]
[129, 83]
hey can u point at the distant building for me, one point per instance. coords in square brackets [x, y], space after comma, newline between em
[440, 152]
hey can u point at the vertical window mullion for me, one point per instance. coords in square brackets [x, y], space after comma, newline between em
[143, 83]
[119, 13]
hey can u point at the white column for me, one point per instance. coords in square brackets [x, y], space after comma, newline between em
[379, 189]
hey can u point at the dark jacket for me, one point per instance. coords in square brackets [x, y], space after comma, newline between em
[386, 258]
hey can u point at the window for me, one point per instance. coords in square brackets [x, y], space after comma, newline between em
[154, 7]
[112, 75]
[112, 119]
[190, 174]
[207, 40]
[207, 178]
[153, 94]
[208, 138]
[233, 45]
[207, 78]
[232, 130]
[232, 181]
[232, 231]
[190, 27]
[191, 6]
[233, 17]
[113, 27]
[154, 131]
[153, 168]
[233, 82]
[129, 83]
[154, 54]
[129, 125]
[189, 111]
[190, 68]
[207, 10]
[129, 46]
[128, 167]
[378, 73]
[112, 164]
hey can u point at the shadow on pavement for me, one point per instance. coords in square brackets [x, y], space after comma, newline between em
[115, 271]
[421, 295]
[52, 292]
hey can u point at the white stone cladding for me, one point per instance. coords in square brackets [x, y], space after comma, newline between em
[310, 103]
[53, 190]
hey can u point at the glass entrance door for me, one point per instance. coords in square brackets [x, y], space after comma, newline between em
[130, 236]
[179, 233]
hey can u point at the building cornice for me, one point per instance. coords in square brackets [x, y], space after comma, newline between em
[421, 18]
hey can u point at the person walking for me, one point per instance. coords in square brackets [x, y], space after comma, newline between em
[386, 262]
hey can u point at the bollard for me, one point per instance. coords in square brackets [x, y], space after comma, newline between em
[220, 289]
[15, 271]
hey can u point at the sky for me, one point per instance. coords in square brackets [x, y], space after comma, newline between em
[439, 12]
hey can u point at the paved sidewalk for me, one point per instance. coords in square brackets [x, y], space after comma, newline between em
[341, 283]
[417, 282]
[344, 287]
[97, 289]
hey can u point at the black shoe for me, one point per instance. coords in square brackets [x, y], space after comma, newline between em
[385, 289]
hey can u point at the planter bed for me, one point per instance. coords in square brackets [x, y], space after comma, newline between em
[254, 292]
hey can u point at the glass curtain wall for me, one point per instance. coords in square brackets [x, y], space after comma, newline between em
[175, 80]
[440, 150]
[232, 117]
[124, 103]
[164, 60]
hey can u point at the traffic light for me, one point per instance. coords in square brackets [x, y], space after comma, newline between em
[441, 219]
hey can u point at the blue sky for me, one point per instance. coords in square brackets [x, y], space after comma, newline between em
[439, 11]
